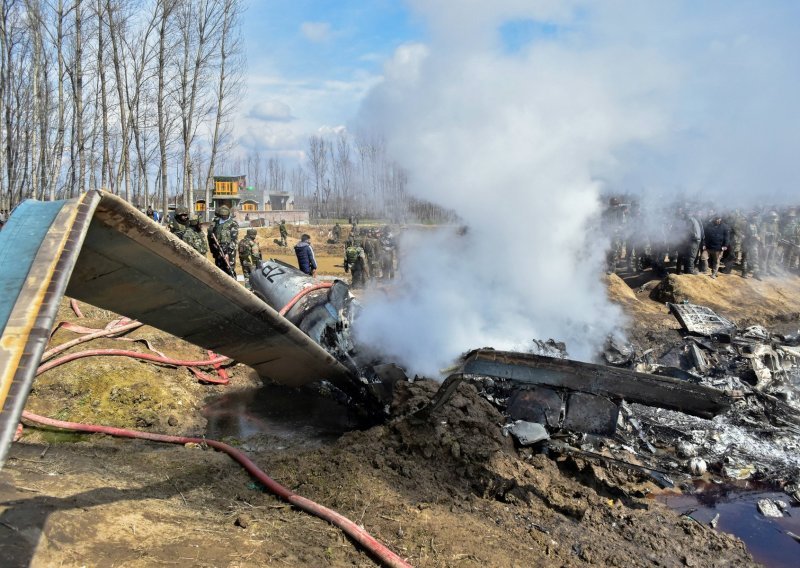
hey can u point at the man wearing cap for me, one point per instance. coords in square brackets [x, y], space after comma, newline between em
[179, 222]
[193, 237]
[249, 255]
[305, 256]
[223, 236]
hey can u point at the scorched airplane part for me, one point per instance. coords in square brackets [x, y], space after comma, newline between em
[99, 249]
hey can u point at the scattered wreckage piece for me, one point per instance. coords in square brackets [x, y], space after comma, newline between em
[769, 508]
[526, 369]
[571, 395]
[701, 320]
[662, 478]
[528, 433]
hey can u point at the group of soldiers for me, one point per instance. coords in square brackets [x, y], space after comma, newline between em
[221, 238]
[701, 239]
[369, 254]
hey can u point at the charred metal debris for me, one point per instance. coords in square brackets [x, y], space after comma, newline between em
[719, 403]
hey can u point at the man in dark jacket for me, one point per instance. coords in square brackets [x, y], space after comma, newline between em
[717, 240]
[305, 256]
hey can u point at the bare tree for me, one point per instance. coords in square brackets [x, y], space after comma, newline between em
[105, 160]
[277, 175]
[80, 81]
[168, 8]
[199, 24]
[318, 166]
[77, 81]
[228, 84]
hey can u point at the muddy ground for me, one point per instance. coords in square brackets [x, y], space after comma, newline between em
[449, 492]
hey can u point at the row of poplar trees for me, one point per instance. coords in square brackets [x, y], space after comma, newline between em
[115, 94]
[343, 176]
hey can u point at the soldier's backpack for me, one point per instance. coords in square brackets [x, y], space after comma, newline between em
[351, 254]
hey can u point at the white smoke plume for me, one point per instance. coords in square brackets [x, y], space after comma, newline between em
[521, 141]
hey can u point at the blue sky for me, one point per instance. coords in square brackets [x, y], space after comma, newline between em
[309, 64]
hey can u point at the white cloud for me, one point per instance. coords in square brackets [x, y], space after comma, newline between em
[316, 32]
[270, 138]
[268, 124]
[271, 111]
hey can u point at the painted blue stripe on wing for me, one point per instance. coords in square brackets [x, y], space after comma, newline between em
[20, 240]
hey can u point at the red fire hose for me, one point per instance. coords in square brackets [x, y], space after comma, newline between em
[124, 353]
[75, 308]
[302, 293]
[362, 537]
[89, 336]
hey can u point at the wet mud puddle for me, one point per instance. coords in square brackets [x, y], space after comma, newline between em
[767, 538]
[281, 417]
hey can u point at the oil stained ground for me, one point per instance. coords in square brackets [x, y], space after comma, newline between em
[288, 417]
[766, 538]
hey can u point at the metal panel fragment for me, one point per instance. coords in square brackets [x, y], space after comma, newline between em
[591, 414]
[701, 320]
[534, 404]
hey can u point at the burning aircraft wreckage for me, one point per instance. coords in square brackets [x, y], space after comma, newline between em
[718, 402]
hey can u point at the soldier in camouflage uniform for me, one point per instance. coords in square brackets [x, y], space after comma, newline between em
[179, 222]
[193, 237]
[639, 253]
[356, 262]
[738, 225]
[770, 234]
[283, 232]
[371, 248]
[613, 221]
[387, 254]
[790, 235]
[249, 255]
[751, 247]
[223, 236]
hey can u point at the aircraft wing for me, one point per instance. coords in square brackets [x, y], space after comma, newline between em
[99, 249]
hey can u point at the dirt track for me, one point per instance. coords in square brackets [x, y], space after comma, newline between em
[452, 492]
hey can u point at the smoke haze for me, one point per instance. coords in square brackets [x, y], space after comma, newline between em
[518, 114]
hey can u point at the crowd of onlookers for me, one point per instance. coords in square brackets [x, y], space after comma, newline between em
[693, 239]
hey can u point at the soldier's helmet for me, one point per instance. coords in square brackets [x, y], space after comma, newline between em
[182, 211]
[283, 221]
[252, 232]
[223, 211]
[613, 202]
[194, 222]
